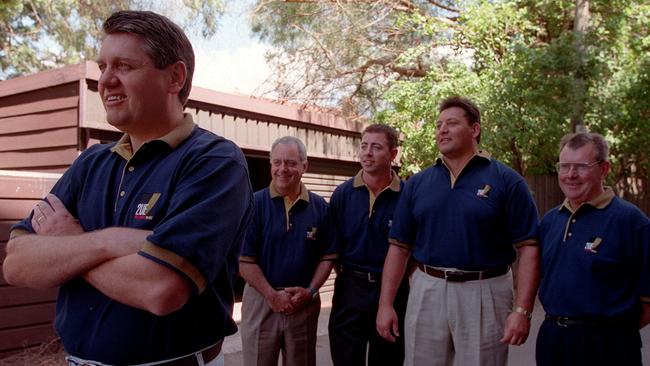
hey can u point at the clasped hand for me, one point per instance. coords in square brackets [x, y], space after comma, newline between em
[289, 300]
[50, 217]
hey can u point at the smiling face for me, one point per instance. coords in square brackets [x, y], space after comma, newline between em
[134, 92]
[287, 169]
[579, 187]
[455, 137]
[375, 154]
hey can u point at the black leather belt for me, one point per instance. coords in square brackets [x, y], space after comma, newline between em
[462, 276]
[368, 276]
[566, 322]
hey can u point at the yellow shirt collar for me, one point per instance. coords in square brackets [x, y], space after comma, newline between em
[600, 202]
[304, 193]
[173, 138]
[394, 183]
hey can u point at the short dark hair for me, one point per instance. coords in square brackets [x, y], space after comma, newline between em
[579, 139]
[162, 40]
[392, 136]
[472, 112]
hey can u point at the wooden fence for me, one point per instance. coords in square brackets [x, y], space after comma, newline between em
[25, 314]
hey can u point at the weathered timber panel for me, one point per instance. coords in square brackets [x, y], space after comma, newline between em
[35, 159]
[41, 139]
[25, 314]
[14, 296]
[19, 338]
[39, 121]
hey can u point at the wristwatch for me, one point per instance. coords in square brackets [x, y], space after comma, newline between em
[525, 312]
[313, 292]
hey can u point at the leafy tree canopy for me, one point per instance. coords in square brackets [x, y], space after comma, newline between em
[527, 64]
[41, 34]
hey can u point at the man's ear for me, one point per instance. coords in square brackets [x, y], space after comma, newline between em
[476, 130]
[605, 166]
[178, 76]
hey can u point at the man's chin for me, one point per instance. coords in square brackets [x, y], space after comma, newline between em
[117, 123]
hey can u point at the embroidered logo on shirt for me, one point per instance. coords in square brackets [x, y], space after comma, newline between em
[147, 202]
[593, 244]
[311, 232]
[483, 192]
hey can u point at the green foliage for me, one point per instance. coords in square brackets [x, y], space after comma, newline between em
[41, 34]
[528, 76]
[533, 76]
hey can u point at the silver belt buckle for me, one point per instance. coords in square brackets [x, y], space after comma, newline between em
[370, 277]
[562, 321]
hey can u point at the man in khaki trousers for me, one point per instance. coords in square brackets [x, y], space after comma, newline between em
[287, 256]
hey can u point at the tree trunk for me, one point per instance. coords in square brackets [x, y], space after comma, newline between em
[580, 25]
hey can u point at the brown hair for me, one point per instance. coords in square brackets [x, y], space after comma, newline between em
[579, 139]
[162, 40]
[391, 134]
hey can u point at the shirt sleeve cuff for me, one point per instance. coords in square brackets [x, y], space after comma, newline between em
[177, 262]
[329, 257]
[523, 243]
[400, 244]
[17, 232]
[247, 259]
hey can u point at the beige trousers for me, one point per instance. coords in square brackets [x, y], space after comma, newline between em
[265, 333]
[457, 323]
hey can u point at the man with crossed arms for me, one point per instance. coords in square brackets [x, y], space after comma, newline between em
[142, 235]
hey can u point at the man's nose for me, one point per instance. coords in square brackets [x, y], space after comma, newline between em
[107, 77]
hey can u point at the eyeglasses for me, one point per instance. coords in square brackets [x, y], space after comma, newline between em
[580, 168]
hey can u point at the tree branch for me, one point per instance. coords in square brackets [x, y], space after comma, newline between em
[442, 6]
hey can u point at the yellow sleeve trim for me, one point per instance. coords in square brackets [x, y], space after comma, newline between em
[398, 243]
[523, 243]
[18, 232]
[177, 262]
[329, 257]
[247, 259]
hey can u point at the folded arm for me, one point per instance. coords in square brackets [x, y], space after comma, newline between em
[141, 283]
[42, 261]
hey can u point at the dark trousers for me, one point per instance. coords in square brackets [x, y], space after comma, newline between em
[592, 345]
[352, 324]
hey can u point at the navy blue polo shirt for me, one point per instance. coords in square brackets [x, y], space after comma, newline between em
[191, 188]
[361, 223]
[288, 240]
[472, 223]
[596, 260]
